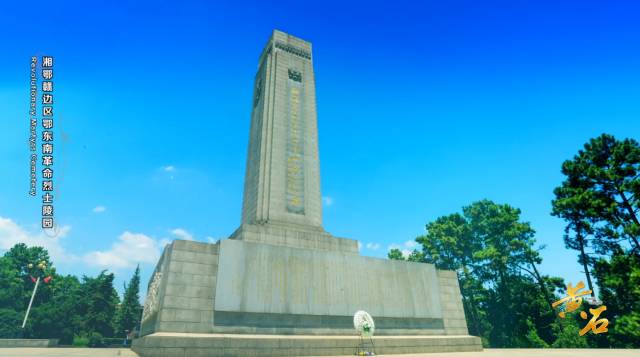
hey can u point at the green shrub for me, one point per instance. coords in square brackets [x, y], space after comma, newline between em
[532, 337]
[570, 337]
[96, 340]
[10, 322]
[80, 341]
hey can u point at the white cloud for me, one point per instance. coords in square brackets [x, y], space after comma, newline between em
[11, 234]
[99, 209]
[372, 246]
[129, 250]
[168, 168]
[411, 244]
[182, 234]
[327, 200]
[211, 239]
[359, 246]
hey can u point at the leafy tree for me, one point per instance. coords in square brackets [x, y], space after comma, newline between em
[59, 317]
[568, 332]
[10, 321]
[416, 256]
[130, 311]
[532, 338]
[449, 244]
[62, 308]
[395, 254]
[98, 304]
[492, 252]
[600, 200]
[619, 283]
[601, 193]
[12, 284]
[22, 262]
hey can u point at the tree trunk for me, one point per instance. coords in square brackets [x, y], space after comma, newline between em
[543, 286]
[505, 317]
[545, 292]
[583, 258]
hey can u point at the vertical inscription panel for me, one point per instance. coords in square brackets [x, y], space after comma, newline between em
[294, 178]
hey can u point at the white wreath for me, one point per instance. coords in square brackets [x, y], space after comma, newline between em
[363, 323]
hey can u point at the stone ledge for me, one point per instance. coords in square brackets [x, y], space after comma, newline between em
[324, 331]
[27, 342]
[194, 246]
[193, 344]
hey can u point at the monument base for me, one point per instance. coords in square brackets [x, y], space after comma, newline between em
[195, 345]
[246, 298]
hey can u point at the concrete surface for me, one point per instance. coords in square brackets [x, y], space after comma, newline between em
[282, 181]
[67, 352]
[119, 352]
[247, 345]
[264, 278]
[27, 342]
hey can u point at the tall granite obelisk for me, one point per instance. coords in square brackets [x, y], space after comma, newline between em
[282, 181]
[282, 203]
[281, 285]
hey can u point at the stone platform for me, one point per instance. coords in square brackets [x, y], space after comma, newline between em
[192, 344]
[27, 342]
[125, 352]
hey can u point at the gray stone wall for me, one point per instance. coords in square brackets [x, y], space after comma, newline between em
[187, 292]
[261, 286]
[268, 279]
[451, 302]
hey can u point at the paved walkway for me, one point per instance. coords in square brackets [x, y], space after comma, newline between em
[120, 352]
[64, 352]
[532, 353]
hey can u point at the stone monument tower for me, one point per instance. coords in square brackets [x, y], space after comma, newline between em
[281, 285]
[282, 203]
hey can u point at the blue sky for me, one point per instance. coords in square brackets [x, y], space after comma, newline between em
[423, 108]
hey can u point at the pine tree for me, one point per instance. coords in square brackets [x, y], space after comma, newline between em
[130, 311]
[98, 304]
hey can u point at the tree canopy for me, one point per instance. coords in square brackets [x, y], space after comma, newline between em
[66, 307]
[496, 258]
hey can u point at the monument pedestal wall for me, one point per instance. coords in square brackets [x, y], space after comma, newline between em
[253, 299]
[294, 287]
[184, 295]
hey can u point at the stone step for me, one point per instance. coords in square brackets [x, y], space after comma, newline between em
[191, 344]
